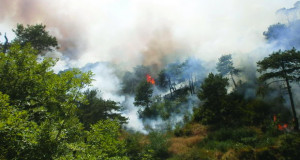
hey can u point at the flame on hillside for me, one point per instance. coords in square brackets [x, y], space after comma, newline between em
[150, 79]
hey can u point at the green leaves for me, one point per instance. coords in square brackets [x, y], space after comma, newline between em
[39, 108]
[99, 109]
[214, 87]
[143, 94]
[103, 140]
[37, 36]
[283, 66]
[280, 64]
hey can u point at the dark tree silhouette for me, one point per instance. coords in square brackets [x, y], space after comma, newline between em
[225, 67]
[285, 66]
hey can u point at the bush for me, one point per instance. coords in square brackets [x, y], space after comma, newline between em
[290, 145]
[196, 154]
[267, 153]
[185, 131]
[158, 145]
[134, 145]
[239, 135]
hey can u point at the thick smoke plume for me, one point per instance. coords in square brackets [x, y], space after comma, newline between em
[148, 32]
[66, 28]
[100, 35]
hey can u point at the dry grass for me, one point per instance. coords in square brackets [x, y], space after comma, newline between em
[182, 145]
[198, 129]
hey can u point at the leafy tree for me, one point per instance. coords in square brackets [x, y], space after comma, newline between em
[103, 141]
[37, 36]
[158, 145]
[99, 109]
[225, 67]
[143, 94]
[213, 92]
[283, 66]
[214, 86]
[38, 111]
[18, 135]
[45, 103]
[289, 146]
[32, 84]
[162, 80]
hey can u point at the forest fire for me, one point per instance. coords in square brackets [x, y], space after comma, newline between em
[150, 79]
[279, 126]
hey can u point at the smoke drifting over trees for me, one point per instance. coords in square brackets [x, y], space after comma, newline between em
[143, 79]
[155, 34]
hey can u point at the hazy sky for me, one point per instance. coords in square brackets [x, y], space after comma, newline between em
[130, 32]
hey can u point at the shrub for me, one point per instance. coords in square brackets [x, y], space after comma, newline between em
[290, 145]
[267, 153]
[158, 144]
[239, 135]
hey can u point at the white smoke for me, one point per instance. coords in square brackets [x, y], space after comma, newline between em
[132, 113]
[133, 32]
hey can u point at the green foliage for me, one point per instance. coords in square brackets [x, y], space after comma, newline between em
[213, 87]
[134, 146]
[213, 92]
[225, 65]
[158, 145]
[162, 80]
[256, 112]
[290, 145]
[232, 110]
[196, 154]
[103, 141]
[267, 153]
[32, 84]
[18, 135]
[284, 66]
[44, 115]
[39, 108]
[166, 108]
[37, 36]
[184, 131]
[99, 109]
[143, 94]
[280, 64]
[137, 147]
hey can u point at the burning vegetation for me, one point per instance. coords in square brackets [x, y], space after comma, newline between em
[187, 109]
[150, 79]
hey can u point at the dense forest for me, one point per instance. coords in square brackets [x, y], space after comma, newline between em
[233, 113]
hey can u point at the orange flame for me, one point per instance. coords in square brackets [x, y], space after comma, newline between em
[274, 118]
[150, 79]
[282, 127]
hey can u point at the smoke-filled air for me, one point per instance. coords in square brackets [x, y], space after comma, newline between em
[149, 79]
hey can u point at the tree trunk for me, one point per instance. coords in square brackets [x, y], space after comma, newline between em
[296, 126]
[5, 44]
[233, 80]
[170, 86]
